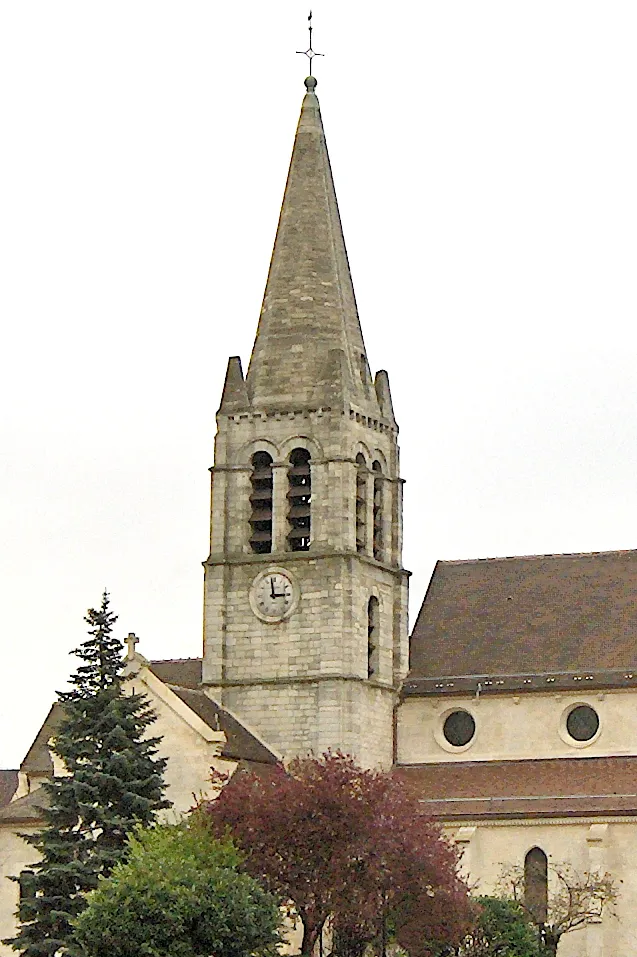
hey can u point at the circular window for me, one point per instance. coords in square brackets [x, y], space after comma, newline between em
[459, 728]
[582, 723]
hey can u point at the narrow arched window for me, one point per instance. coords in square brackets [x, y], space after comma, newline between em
[361, 502]
[299, 500]
[261, 502]
[378, 511]
[373, 636]
[536, 884]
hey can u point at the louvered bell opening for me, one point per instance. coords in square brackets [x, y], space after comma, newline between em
[361, 504]
[360, 529]
[299, 539]
[261, 516]
[378, 517]
[299, 492]
[300, 510]
[372, 636]
[262, 476]
[378, 545]
[299, 500]
[300, 471]
[261, 501]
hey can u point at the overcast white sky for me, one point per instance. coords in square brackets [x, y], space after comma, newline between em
[484, 153]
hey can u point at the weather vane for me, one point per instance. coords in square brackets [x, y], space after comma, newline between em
[309, 53]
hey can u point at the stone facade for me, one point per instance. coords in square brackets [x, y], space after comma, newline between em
[587, 844]
[516, 727]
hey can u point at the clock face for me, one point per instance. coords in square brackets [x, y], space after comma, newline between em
[273, 595]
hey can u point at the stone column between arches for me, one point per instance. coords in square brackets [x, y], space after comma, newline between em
[279, 506]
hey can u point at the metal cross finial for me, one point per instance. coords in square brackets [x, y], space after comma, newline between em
[131, 641]
[309, 53]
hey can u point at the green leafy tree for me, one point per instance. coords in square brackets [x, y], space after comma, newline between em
[179, 894]
[114, 781]
[502, 929]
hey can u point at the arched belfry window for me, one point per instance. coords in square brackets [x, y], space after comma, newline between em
[299, 500]
[261, 502]
[536, 884]
[361, 502]
[373, 636]
[378, 511]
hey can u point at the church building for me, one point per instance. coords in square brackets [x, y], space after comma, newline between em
[512, 707]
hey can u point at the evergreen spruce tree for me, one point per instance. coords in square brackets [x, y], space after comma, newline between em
[114, 781]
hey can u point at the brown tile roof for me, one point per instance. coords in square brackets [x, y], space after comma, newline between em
[183, 675]
[549, 787]
[8, 784]
[241, 744]
[534, 615]
[185, 672]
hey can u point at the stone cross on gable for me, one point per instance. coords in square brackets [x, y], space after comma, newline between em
[131, 641]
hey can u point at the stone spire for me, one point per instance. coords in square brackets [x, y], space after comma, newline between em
[309, 349]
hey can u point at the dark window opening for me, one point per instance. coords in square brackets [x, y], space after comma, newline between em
[582, 723]
[299, 500]
[361, 502]
[261, 503]
[536, 884]
[373, 633]
[378, 512]
[459, 728]
[25, 886]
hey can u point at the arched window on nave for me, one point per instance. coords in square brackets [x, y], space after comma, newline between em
[536, 884]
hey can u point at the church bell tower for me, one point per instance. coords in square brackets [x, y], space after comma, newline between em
[305, 612]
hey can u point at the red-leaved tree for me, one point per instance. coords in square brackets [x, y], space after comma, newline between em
[347, 844]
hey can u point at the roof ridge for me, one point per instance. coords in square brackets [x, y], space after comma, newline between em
[526, 797]
[161, 661]
[516, 558]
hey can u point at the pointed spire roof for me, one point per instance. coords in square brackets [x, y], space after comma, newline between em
[309, 349]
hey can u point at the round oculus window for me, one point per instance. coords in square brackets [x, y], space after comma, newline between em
[582, 723]
[459, 728]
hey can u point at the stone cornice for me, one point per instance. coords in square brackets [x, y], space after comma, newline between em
[290, 558]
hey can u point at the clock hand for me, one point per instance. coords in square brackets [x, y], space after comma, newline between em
[272, 595]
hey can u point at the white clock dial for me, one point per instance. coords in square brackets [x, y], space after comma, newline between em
[273, 595]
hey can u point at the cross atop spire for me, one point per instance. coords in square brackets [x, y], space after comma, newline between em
[310, 53]
[131, 641]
